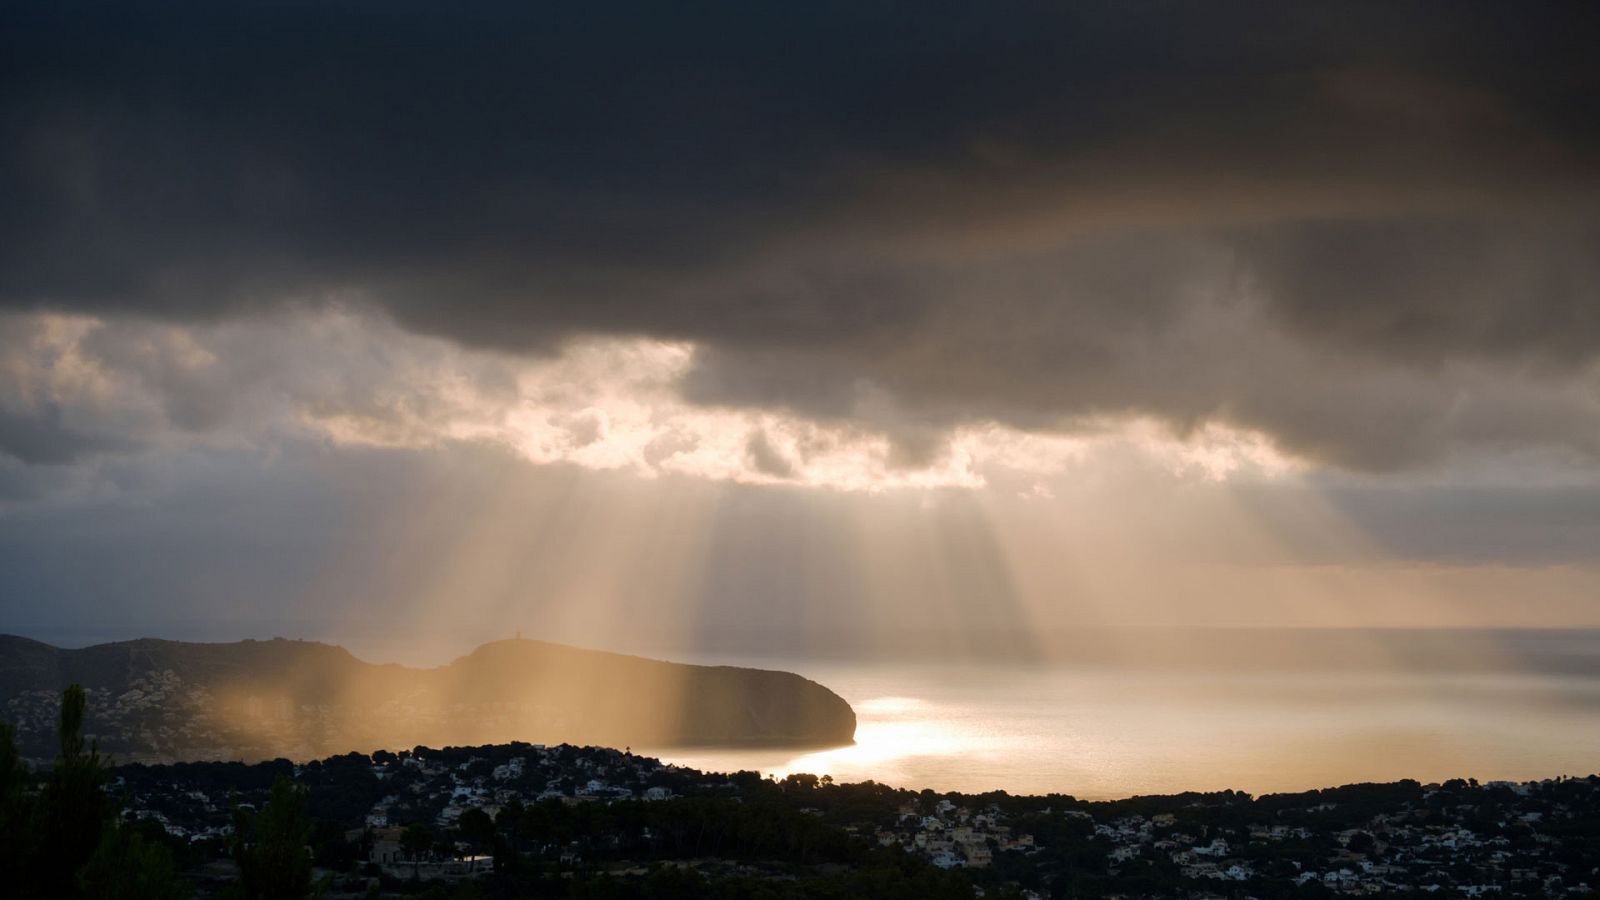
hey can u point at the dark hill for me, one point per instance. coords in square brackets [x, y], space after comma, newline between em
[157, 700]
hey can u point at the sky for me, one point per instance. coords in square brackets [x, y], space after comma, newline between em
[816, 327]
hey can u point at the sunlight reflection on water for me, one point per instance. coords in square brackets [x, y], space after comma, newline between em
[890, 730]
[1104, 734]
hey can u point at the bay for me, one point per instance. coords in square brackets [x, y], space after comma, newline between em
[1118, 730]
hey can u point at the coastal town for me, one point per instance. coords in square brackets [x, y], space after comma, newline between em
[472, 819]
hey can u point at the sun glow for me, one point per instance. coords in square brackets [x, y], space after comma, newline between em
[892, 732]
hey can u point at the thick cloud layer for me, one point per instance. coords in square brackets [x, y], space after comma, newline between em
[1366, 231]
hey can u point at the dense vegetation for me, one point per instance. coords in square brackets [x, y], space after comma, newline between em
[62, 837]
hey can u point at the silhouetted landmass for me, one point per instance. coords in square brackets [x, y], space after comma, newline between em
[156, 700]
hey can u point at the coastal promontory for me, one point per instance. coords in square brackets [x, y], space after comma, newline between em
[158, 700]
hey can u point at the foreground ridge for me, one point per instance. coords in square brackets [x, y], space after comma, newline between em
[525, 820]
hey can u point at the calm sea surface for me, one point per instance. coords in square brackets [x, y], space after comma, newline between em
[1112, 731]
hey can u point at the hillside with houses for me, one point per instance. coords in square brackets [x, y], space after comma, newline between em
[521, 819]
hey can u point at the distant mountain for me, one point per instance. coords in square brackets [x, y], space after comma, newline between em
[154, 700]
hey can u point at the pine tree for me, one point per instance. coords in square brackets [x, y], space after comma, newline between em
[271, 848]
[74, 809]
[65, 841]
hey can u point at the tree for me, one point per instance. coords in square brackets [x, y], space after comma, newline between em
[18, 817]
[127, 867]
[415, 842]
[13, 775]
[800, 781]
[74, 806]
[65, 840]
[477, 829]
[271, 847]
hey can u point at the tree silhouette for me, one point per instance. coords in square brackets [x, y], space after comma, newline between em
[127, 867]
[271, 850]
[477, 829]
[74, 804]
[416, 841]
[18, 812]
[64, 840]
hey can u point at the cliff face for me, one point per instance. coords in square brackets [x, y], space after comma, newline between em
[153, 700]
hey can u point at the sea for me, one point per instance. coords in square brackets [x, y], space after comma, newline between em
[1327, 710]
[1105, 713]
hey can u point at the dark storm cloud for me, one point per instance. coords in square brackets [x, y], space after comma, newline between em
[40, 436]
[1437, 290]
[907, 216]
